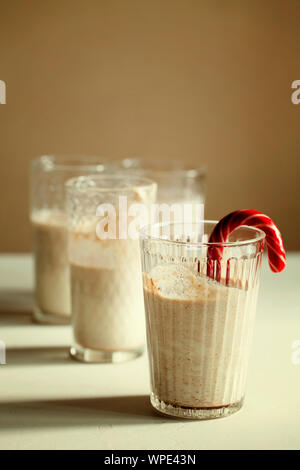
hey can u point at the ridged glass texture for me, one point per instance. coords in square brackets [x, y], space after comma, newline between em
[199, 330]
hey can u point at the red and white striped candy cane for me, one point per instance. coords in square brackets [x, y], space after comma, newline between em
[252, 218]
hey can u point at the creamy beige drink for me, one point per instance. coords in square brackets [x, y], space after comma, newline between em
[48, 175]
[52, 278]
[104, 216]
[107, 296]
[200, 300]
[199, 335]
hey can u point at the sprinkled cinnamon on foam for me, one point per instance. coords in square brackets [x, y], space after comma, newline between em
[180, 282]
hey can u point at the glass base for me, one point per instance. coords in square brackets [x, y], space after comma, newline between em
[50, 318]
[194, 413]
[96, 356]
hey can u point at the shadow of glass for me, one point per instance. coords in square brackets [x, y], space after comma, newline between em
[104, 411]
[15, 319]
[36, 356]
[16, 307]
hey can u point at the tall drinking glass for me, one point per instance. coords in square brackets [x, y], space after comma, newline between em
[48, 218]
[106, 279]
[199, 330]
[177, 183]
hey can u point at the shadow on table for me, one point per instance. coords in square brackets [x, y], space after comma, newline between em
[15, 307]
[100, 412]
[32, 356]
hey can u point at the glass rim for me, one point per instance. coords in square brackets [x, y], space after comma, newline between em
[147, 236]
[74, 184]
[190, 171]
[66, 162]
[187, 173]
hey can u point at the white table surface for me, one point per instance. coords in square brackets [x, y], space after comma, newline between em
[48, 401]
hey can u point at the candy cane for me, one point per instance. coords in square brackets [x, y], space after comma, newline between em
[252, 218]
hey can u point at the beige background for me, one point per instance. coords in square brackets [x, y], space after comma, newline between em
[208, 81]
